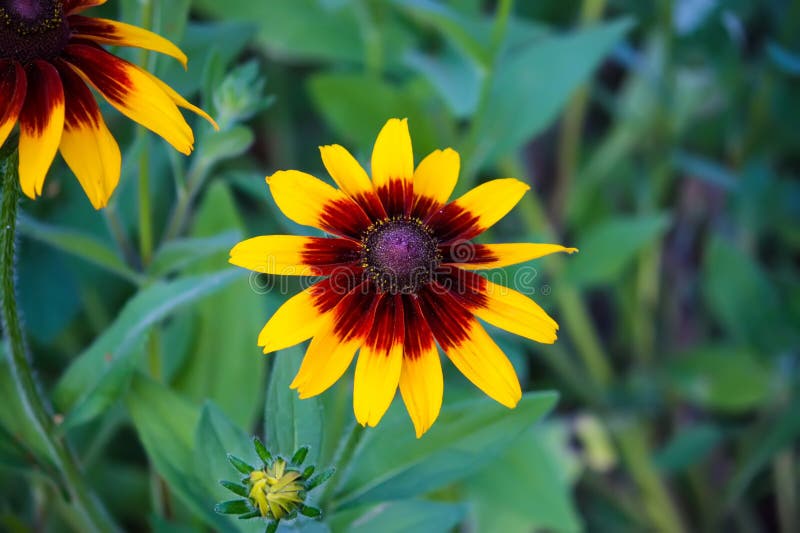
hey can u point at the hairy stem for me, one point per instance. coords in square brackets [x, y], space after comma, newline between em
[37, 412]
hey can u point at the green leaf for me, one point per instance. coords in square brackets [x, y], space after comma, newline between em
[219, 444]
[78, 244]
[226, 144]
[233, 507]
[400, 517]
[356, 106]
[262, 451]
[607, 249]
[722, 378]
[690, 446]
[300, 456]
[176, 255]
[740, 295]
[99, 375]
[528, 488]
[236, 488]
[166, 424]
[290, 422]
[393, 464]
[529, 87]
[229, 368]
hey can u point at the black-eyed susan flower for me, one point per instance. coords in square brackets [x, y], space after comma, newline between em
[277, 490]
[399, 279]
[49, 53]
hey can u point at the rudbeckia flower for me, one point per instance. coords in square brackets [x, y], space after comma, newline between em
[399, 278]
[49, 56]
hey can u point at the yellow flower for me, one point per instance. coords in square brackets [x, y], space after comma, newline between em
[399, 279]
[48, 55]
[276, 490]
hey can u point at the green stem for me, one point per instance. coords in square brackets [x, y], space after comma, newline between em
[341, 461]
[145, 216]
[87, 506]
[572, 125]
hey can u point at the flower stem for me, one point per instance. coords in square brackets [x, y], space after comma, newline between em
[341, 461]
[38, 414]
[145, 215]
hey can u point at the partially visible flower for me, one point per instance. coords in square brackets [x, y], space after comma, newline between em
[276, 491]
[48, 55]
[400, 278]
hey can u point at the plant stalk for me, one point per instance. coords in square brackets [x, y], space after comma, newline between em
[37, 412]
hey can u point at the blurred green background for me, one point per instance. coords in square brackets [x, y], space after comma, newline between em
[661, 138]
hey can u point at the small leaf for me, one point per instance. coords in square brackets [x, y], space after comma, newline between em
[311, 512]
[251, 514]
[262, 451]
[235, 488]
[308, 471]
[300, 456]
[272, 527]
[233, 507]
[240, 465]
[319, 479]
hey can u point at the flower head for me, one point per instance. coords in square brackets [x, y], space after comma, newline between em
[49, 53]
[399, 278]
[276, 491]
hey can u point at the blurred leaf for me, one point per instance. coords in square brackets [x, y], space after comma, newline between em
[728, 379]
[176, 255]
[290, 422]
[785, 60]
[457, 81]
[740, 295]
[166, 424]
[400, 517]
[226, 144]
[217, 436]
[99, 375]
[540, 496]
[607, 249]
[225, 368]
[393, 464]
[356, 106]
[706, 170]
[14, 420]
[464, 32]
[305, 29]
[529, 88]
[78, 244]
[690, 446]
[779, 432]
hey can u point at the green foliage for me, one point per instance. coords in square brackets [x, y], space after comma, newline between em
[658, 138]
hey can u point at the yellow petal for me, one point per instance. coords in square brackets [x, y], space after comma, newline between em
[13, 87]
[114, 33]
[379, 363]
[41, 124]
[436, 176]
[297, 320]
[484, 364]
[180, 101]
[312, 202]
[486, 256]
[341, 332]
[421, 382]
[132, 91]
[326, 359]
[478, 209]
[422, 387]
[513, 311]
[87, 145]
[392, 155]
[294, 255]
[348, 174]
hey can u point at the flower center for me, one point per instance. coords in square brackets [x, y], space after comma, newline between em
[400, 254]
[32, 29]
